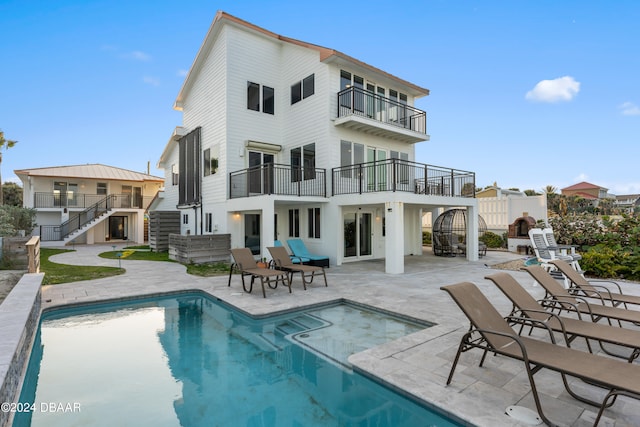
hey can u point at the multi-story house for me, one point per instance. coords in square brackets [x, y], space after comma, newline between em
[88, 204]
[286, 139]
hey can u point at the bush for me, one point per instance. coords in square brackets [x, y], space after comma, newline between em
[492, 240]
[426, 238]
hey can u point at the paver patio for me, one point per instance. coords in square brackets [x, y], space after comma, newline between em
[418, 363]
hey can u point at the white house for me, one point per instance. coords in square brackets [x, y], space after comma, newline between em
[90, 203]
[286, 139]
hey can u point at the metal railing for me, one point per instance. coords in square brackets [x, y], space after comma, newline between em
[360, 102]
[402, 175]
[82, 201]
[76, 222]
[273, 178]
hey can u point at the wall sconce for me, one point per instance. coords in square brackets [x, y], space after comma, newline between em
[236, 214]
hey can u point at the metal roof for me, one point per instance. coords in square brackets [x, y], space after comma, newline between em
[89, 171]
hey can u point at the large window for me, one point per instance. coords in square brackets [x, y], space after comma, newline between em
[175, 176]
[303, 163]
[190, 176]
[313, 217]
[101, 188]
[253, 98]
[350, 154]
[303, 89]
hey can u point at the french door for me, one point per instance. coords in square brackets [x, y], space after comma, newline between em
[358, 234]
[260, 174]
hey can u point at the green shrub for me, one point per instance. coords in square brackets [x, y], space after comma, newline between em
[492, 240]
[426, 238]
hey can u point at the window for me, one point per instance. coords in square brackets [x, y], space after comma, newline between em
[314, 222]
[294, 223]
[185, 219]
[268, 100]
[101, 188]
[303, 89]
[303, 163]
[208, 222]
[308, 86]
[175, 178]
[350, 154]
[210, 161]
[296, 93]
[253, 96]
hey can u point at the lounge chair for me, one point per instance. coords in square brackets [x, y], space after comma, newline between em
[525, 305]
[244, 261]
[569, 250]
[299, 249]
[543, 252]
[590, 288]
[294, 259]
[567, 301]
[282, 261]
[491, 333]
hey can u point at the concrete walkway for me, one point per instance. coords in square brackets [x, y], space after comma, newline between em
[418, 363]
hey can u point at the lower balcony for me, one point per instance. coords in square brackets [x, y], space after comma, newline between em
[277, 179]
[73, 200]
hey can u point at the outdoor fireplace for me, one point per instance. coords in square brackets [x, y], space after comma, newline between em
[518, 234]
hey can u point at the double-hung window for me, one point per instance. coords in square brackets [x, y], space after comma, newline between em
[313, 218]
[255, 101]
[303, 163]
[303, 89]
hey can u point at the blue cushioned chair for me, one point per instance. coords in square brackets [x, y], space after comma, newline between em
[299, 249]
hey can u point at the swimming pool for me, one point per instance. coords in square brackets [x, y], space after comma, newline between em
[189, 360]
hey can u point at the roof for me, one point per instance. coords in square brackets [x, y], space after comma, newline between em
[326, 54]
[583, 186]
[88, 171]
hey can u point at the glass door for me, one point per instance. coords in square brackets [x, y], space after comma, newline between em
[252, 233]
[260, 174]
[358, 234]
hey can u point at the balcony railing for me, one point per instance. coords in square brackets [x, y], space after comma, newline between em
[402, 175]
[360, 102]
[75, 200]
[272, 178]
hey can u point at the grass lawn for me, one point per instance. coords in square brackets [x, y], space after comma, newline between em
[63, 273]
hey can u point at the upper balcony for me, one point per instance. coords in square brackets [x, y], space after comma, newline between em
[374, 114]
[283, 180]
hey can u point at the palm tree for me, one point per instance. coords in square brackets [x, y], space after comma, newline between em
[549, 189]
[5, 144]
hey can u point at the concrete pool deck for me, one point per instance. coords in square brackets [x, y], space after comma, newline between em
[418, 363]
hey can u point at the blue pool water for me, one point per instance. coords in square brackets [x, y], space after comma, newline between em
[192, 361]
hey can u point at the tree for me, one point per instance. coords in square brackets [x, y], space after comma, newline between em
[5, 144]
[12, 194]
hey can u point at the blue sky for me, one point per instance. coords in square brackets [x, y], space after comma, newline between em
[525, 93]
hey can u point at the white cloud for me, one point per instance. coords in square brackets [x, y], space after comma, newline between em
[560, 89]
[138, 56]
[182, 73]
[582, 177]
[153, 81]
[629, 109]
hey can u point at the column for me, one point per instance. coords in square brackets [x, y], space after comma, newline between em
[394, 239]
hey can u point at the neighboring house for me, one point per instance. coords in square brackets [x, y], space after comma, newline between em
[628, 202]
[286, 139]
[89, 204]
[587, 191]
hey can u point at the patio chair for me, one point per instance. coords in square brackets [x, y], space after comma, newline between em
[282, 261]
[525, 305]
[564, 300]
[491, 333]
[299, 249]
[568, 250]
[294, 259]
[244, 261]
[591, 289]
[543, 252]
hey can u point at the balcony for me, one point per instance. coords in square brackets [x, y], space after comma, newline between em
[272, 178]
[367, 112]
[402, 175]
[80, 201]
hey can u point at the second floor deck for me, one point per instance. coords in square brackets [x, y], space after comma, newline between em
[379, 176]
